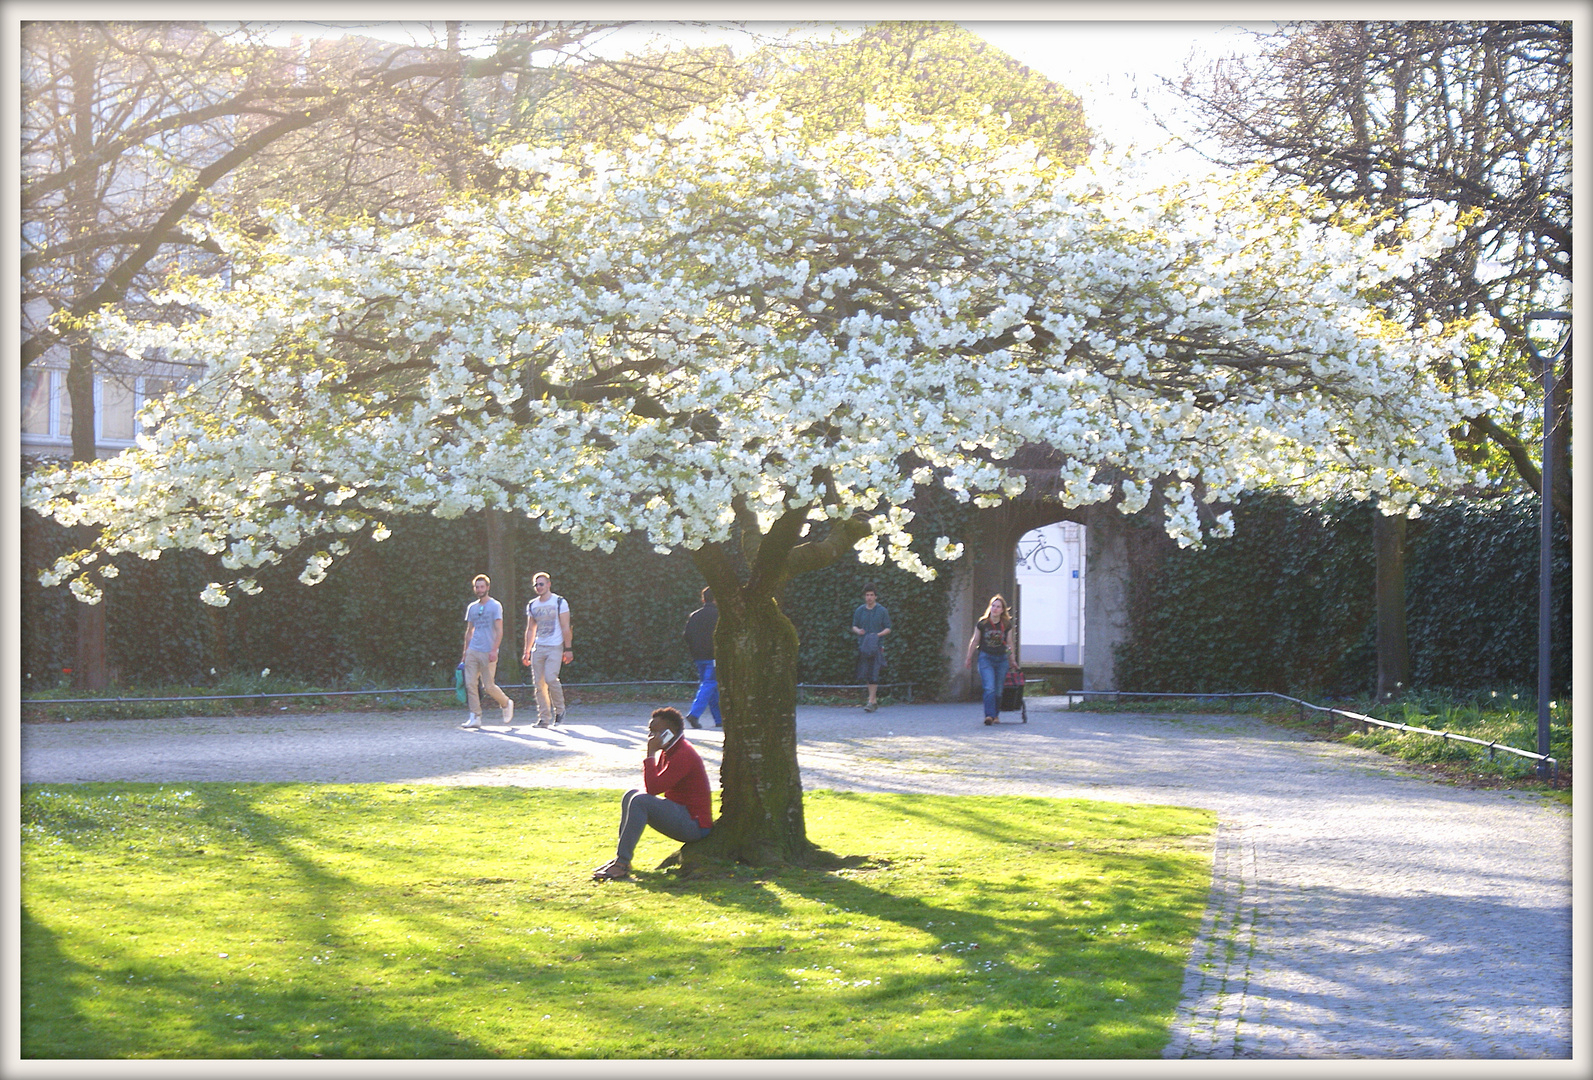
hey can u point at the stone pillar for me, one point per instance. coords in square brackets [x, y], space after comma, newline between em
[960, 616]
[1105, 594]
[986, 568]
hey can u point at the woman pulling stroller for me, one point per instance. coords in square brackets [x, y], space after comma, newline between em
[991, 639]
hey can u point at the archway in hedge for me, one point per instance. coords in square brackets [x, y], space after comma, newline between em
[989, 566]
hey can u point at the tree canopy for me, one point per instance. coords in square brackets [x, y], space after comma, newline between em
[932, 71]
[729, 324]
[1399, 115]
[757, 345]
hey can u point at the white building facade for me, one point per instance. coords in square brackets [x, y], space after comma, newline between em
[1050, 571]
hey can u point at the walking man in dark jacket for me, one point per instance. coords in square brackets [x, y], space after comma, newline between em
[699, 635]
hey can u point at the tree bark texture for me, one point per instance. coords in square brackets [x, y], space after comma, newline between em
[761, 819]
[501, 569]
[1393, 647]
[760, 812]
[89, 672]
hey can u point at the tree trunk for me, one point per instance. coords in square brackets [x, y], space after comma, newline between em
[89, 671]
[760, 807]
[760, 818]
[220, 653]
[1393, 648]
[89, 667]
[501, 569]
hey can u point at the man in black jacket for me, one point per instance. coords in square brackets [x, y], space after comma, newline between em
[699, 635]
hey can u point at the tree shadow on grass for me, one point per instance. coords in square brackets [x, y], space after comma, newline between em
[160, 1010]
[1036, 966]
[455, 962]
[222, 1018]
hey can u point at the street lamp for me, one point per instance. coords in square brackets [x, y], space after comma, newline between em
[1541, 319]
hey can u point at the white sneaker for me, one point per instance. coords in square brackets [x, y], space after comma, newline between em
[508, 712]
[474, 721]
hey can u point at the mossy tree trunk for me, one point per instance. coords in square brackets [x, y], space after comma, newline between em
[755, 649]
[1393, 643]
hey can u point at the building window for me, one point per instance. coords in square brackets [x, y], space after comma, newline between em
[37, 405]
[116, 406]
[47, 409]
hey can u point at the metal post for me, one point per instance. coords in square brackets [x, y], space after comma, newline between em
[1546, 525]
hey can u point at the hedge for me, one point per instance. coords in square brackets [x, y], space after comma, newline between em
[1287, 603]
[391, 613]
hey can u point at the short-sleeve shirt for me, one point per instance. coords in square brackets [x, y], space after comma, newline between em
[871, 622]
[545, 613]
[482, 615]
[992, 639]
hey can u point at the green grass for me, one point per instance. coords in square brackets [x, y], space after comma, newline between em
[1506, 719]
[390, 921]
[1510, 719]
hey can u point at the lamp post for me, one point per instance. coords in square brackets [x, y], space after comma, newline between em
[1545, 572]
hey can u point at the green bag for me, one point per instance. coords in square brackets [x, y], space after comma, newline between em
[459, 682]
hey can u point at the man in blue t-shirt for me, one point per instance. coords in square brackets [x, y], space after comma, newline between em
[870, 622]
[483, 634]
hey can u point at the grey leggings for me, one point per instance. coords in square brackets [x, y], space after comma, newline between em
[639, 810]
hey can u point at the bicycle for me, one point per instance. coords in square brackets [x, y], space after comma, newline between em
[1042, 556]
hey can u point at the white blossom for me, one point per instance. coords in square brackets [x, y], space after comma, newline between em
[1196, 341]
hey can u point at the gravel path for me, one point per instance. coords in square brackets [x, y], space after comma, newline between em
[1357, 910]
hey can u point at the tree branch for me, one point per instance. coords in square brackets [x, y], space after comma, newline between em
[842, 537]
[115, 285]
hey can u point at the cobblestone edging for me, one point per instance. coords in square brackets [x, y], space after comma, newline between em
[1218, 978]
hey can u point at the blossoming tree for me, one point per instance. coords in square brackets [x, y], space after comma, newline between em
[755, 346]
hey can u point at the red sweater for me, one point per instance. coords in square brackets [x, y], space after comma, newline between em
[679, 776]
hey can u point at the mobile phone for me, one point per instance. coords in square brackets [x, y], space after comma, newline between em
[666, 738]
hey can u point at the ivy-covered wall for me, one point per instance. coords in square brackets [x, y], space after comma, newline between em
[1473, 598]
[1287, 602]
[820, 604]
[391, 614]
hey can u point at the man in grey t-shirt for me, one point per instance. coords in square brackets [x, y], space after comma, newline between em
[547, 646]
[871, 623]
[483, 634]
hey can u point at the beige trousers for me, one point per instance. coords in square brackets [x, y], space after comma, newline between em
[545, 660]
[478, 667]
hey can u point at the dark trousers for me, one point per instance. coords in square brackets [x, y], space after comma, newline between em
[639, 810]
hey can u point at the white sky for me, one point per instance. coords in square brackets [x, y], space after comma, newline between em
[1112, 65]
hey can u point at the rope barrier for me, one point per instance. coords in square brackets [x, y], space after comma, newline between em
[1331, 712]
[1353, 717]
[263, 695]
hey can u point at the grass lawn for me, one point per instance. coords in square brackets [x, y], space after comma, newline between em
[1506, 718]
[355, 921]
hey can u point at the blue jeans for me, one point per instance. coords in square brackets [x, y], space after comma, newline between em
[639, 810]
[707, 692]
[992, 676]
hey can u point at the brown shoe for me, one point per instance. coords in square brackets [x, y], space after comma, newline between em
[613, 870]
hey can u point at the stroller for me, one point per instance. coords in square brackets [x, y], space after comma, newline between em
[1012, 694]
